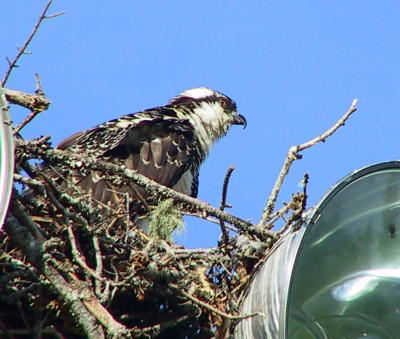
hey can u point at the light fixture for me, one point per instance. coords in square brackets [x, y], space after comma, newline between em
[339, 275]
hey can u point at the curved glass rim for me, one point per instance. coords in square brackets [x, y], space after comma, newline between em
[318, 209]
[342, 183]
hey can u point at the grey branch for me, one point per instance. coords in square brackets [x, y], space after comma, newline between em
[22, 50]
[293, 155]
[33, 102]
[225, 234]
[40, 150]
[32, 250]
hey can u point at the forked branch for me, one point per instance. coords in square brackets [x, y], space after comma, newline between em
[12, 64]
[293, 155]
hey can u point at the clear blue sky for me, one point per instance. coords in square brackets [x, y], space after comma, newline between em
[293, 67]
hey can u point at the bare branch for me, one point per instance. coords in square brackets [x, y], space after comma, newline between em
[39, 89]
[79, 258]
[33, 102]
[21, 51]
[50, 16]
[39, 150]
[27, 120]
[225, 234]
[211, 308]
[32, 251]
[293, 155]
[105, 318]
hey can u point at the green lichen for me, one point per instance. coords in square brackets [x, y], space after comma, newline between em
[164, 219]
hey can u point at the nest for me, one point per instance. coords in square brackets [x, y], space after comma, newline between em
[69, 269]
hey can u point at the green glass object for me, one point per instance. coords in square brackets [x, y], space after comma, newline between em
[346, 276]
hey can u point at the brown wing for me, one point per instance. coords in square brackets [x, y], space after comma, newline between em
[163, 150]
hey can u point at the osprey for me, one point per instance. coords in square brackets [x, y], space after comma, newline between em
[166, 144]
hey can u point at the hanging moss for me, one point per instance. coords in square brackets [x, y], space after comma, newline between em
[164, 220]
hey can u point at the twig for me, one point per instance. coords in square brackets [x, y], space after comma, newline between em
[281, 212]
[225, 187]
[293, 155]
[26, 121]
[105, 318]
[124, 175]
[155, 329]
[78, 258]
[212, 308]
[36, 103]
[75, 216]
[19, 212]
[27, 332]
[21, 51]
[32, 251]
[54, 15]
[304, 184]
[225, 235]
[39, 89]
[33, 102]
[99, 263]
[30, 182]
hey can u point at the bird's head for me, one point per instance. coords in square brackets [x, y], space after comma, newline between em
[210, 108]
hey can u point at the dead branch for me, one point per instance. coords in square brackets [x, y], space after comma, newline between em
[22, 50]
[100, 273]
[79, 258]
[293, 155]
[32, 251]
[37, 103]
[113, 327]
[100, 267]
[211, 308]
[225, 235]
[39, 150]
[34, 102]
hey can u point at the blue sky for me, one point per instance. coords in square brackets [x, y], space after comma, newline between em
[293, 67]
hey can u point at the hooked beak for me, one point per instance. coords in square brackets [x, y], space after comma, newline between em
[239, 119]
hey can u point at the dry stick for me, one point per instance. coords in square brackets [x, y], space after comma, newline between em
[90, 301]
[40, 104]
[21, 51]
[19, 212]
[33, 102]
[304, 184]
[31, 249]
[156, 328]
[293, 155]
[281, 212]
[39, 89]
[78, 257]
[297, 208]
[99, 263]
[225, 235]
[38, 149]
[212, 308]
[113, 327]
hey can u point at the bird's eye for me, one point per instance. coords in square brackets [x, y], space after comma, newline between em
[223, 103]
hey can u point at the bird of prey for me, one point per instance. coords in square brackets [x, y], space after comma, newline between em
[166, 144]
